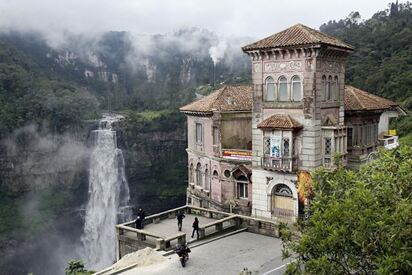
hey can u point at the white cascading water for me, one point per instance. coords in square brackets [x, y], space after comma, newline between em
[108, 202]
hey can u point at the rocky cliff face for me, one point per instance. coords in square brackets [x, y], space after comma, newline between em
[155, 166]
[31, 159]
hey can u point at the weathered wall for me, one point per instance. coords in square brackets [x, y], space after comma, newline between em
[236, 131]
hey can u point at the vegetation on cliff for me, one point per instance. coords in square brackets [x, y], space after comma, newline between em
[382, 60]
[161, 169]
[358, 222]
[28, 96]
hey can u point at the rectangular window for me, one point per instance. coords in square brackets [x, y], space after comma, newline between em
[355, 136]
[266, 146]
[350, 133]
[328, 145]
[215, 136]
[199, 133]
[369, 134]
[376, 132]
[286, 147]
[361, 136]
[242, 190]
[275, 147]
[337, 149]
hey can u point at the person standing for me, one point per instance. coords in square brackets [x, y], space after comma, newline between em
[140, 222]
[140, 218]
[195, 227]
[180, 216]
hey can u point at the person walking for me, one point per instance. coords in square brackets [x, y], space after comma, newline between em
[195, 227]
[180, 216]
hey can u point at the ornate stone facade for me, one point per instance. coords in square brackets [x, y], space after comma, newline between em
[300, 116]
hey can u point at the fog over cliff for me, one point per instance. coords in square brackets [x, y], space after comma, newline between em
[225, 17]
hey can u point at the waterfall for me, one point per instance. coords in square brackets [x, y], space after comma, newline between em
[108, 202]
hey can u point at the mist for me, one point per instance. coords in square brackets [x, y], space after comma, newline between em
[49, 171]
[224, 17]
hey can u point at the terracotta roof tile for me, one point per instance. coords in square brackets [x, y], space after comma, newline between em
[280, 122]
[226, 99]
[297, 35]
[358, 100]
[239, 98]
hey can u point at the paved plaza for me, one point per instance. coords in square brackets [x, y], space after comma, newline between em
[168, 227]
[229, 255]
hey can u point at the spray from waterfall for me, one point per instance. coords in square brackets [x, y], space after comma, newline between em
[109, 197]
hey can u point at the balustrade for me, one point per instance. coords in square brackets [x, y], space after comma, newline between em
[280, 164]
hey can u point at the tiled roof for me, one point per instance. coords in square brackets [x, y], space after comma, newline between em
[280, 122]
[226, 99]
[358, 100]
[297, 35]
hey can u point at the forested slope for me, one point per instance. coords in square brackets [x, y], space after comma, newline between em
[382, 60]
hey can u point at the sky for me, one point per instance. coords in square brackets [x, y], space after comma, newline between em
[251, 18]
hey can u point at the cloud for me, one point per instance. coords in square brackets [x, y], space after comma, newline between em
[225, 17]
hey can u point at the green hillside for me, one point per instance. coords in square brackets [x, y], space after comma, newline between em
[382, 60]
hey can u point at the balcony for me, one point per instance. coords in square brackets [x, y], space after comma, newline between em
[389, 142]
[286, 164]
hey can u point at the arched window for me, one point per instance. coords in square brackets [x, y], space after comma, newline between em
[206, 185]
[323, 89]
[282, 190]
[296, 88]
[199, 174]
[328, 91]
[336, 89]
[191, 173]
[270, 89]
[215, 174]
[283, 89]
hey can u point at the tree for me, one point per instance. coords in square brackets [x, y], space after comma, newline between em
[76, 267]
[359, 222]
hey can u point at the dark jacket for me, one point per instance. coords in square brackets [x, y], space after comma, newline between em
[180, 217]
[141, 214]
[182, 250]
[196, 224]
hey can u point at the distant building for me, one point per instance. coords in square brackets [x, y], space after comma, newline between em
[298, 115]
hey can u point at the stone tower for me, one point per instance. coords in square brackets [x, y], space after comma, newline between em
[297, 116]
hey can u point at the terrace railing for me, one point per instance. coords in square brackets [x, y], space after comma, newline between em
[131, 239]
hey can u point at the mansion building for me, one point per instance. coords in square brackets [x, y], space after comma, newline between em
[251, 148]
